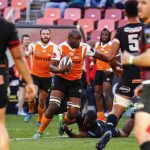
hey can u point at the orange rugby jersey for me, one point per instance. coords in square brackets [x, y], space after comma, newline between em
[77, 56]
[41, 57]
[105, 49]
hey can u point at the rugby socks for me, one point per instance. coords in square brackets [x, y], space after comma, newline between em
[145, 146]
[111, 122]
[31, 106]
[40, 113]
[44, 123]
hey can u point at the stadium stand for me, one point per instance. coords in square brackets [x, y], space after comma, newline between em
[17, 12]
[44, 21]
[87, 25]
[115, 14]
[22, 4]
[52, 13]
[73, 14]
[3, 4]
[65, 22]
[122, 23]
[93, 13]
[95, 35]
[106, 23]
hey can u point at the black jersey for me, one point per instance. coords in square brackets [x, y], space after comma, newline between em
[95, 131]
[8, 38]
[128, 37]
[145, 44]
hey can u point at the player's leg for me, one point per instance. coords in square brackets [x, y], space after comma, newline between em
[31, 104]
[98, 91]
[142, 120]
[54, 105]
[21, 100]
[4, 139]
[42, 105]
[73, 104]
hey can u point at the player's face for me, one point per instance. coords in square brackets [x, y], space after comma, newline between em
[26, 41]
[144, 9]
[45, 36]
[105, 36]
[74, 41]
[88, 122]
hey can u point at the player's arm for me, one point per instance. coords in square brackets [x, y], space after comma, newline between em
[139, 60]
[29, 50]
[55, 61]
[100, 56]
[114, 50]
[96, 54]
[74, 135]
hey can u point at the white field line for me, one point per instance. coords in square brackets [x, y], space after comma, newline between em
[48, 137]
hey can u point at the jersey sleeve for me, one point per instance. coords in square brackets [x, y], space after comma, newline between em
[13, 36]
[56, 54]
[90, 51]
[147, 37]
[29, 50]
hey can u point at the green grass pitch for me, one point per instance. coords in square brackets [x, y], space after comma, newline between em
[21, 132]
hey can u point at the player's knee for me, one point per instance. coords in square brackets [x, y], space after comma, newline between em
[54, 105]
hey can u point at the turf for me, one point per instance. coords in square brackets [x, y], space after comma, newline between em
[20, 132]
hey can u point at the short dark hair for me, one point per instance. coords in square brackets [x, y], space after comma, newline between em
[74, 32]
[24, 35]
[45, 29]
[91, 114]
[131, 8]
[109, 34]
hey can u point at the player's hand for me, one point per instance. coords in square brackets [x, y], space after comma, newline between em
[67, 129]
[30, 91]
[138, 90]
[65, 69]
[125, 58]
[118, 72]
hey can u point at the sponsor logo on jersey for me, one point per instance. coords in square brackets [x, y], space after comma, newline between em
[125, 89]
[76, 62]
[42, 58]
[132, 30]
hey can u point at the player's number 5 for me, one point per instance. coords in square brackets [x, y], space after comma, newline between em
[133, 42]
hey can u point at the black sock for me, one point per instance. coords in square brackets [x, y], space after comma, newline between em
[145, 146]
[116, 133]
[111, 122]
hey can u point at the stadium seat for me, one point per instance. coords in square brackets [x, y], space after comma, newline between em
[106, 23]
[8, 11]
[19, 3]
[87, 25]
[93, 13]
[65, 22]
[115, 14]
[95, 35]
[52, 13]
[44, 21]
[3, 4]
[73, 14]
[121, 23]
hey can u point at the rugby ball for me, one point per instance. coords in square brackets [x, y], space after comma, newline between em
[65, 61]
